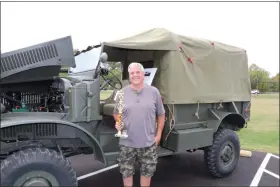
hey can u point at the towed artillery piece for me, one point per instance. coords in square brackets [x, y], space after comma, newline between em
[47, 118]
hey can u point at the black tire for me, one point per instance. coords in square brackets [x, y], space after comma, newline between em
[43, 164]
[212, 154]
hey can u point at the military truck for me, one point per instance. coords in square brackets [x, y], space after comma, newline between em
[46, 118]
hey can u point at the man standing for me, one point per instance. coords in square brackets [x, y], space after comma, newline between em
[143, 108]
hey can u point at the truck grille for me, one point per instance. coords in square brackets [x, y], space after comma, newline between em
[45, 129]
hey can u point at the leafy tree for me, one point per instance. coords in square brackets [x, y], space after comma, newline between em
[259, 78]
[75, 50]
[276, 77]
[275, 83]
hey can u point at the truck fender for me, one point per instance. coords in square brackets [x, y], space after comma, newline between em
[235, 120]
[84, 134]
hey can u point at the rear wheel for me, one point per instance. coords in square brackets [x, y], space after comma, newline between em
[37, 167]
[222, 157]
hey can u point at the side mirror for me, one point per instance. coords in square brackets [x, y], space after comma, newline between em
[103, 57]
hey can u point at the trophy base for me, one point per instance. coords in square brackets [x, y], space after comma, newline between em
[121, 135]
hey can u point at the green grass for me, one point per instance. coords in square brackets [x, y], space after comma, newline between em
[262, 132]
[62, 74]
[105, 94]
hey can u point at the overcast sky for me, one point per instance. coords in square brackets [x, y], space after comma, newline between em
[252, 26]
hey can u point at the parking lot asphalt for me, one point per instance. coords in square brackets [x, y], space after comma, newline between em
[182, 170]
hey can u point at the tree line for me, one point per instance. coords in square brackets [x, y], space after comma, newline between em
[261, 80]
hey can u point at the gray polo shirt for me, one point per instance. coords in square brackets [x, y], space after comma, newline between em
[139, 115]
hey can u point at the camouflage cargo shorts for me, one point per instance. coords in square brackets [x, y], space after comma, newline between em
[147, 158]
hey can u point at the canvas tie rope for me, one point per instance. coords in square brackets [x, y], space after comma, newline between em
[188, 58]
[247, 110]
[196, 114]
[247, 107]
[172, 121]
[220, 105]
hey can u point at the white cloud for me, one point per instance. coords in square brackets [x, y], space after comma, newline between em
[252, 26]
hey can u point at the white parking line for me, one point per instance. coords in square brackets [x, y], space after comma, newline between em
[261, 170]
[271, 173]
[275, 156]
[97, 172]
[259, 173]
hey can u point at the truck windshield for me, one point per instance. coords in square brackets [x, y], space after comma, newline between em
[86, 61]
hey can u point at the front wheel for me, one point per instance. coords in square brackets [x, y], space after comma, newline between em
[222, 157]
[37, 167]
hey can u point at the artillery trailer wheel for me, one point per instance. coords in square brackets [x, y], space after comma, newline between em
[222, 157]
[37, 167]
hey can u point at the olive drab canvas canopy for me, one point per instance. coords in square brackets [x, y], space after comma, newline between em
[190, 70]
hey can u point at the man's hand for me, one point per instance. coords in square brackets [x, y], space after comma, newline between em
[157, 139]
[160, 124]
[117, 126]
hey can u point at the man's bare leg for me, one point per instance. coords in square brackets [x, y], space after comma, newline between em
[145, 181]
[128, 182]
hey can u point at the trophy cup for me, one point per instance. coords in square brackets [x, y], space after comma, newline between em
[120, 105]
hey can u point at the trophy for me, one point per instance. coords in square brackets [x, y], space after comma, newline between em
[120, 105]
